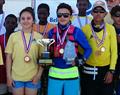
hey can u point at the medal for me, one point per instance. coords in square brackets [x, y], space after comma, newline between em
[102, 49]
[61, 51]
[61, 40]
[27, 58]
[27, 47]
[98, 53]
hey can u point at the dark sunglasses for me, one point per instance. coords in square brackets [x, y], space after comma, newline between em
[117, 14]
[98, 11]
[65, 15]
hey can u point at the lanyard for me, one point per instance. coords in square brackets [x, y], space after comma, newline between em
[62, 39]
[27, 47]
[44, 32]
[97, 39]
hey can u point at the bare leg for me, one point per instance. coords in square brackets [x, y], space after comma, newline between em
[29, 91]
[18, 91]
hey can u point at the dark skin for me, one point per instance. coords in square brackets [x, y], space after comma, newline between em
[10, 24]
[82, 6]
[117, 25]
[2, 2]
[43, 14]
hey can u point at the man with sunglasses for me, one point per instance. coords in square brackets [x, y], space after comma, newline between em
[64, 75]
[99, 68]
[115, 14]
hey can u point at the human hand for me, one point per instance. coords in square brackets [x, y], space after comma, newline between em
[10, 82]
[35, 79]
[108, 77]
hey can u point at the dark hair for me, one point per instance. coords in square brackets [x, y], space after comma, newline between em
[43, 5]
[3, 1]
[84, 0]
[114, 10]
[64, 5]
[89, 3]
[12, 16]
[28, 9]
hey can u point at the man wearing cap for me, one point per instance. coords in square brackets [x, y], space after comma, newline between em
[98, 70]
[115, 14]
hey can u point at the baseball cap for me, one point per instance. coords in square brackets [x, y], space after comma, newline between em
[99, 4]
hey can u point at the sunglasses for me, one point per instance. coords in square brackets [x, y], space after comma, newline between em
[65, 15]
[117, 14]
[98, 11]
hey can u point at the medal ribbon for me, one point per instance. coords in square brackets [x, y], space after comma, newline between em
[61, 40]
[27, 47]
[44, 32]
[100, 42]
[79, 21]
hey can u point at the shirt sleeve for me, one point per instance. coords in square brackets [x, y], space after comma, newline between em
[82, 41]
[1, 58]
[113, 46]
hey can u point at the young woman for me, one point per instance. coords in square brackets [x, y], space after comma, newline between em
[22, 52]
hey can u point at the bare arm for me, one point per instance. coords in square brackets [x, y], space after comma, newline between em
[9, 69]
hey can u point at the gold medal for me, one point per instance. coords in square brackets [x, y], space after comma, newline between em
[98, 53]
[27, 58]
[102, 49]
[61, 51]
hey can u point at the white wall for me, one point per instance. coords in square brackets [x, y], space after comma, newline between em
[15, 6]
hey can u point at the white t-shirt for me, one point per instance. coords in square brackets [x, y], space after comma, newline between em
[81, 21]
[2, 28]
